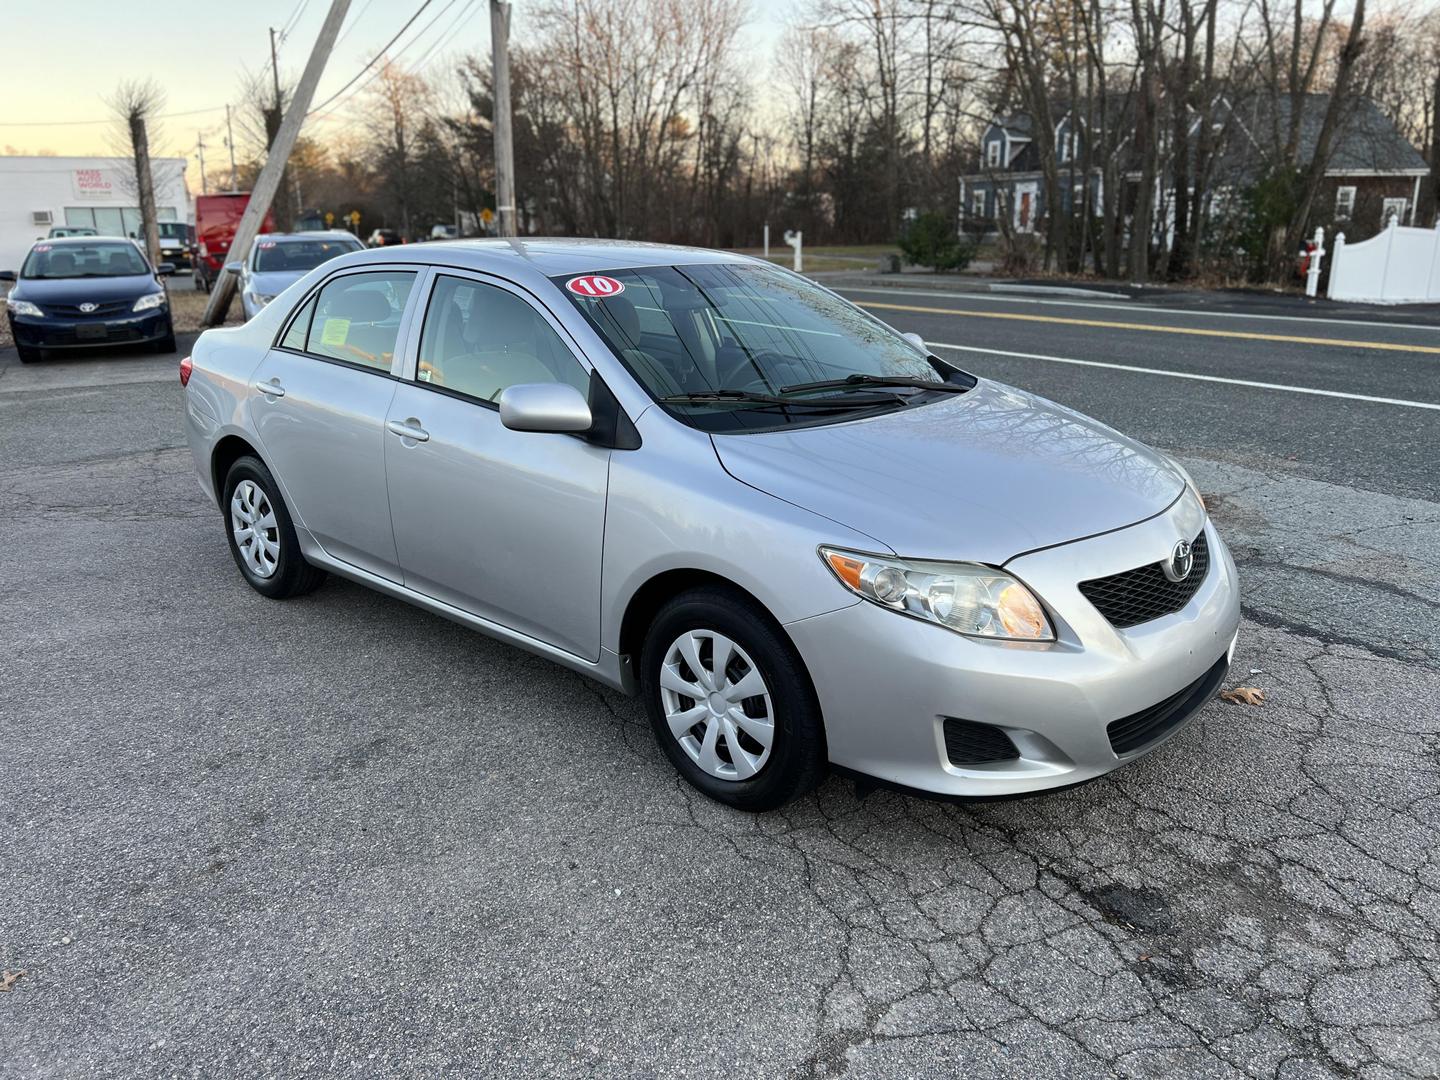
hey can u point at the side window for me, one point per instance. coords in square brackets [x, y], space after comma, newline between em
[300, 328]
[357, 318]
[478, 339]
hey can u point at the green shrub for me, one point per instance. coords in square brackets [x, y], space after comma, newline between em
[931, 240]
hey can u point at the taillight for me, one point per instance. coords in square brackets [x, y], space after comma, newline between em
[204, 250]
[186, 367]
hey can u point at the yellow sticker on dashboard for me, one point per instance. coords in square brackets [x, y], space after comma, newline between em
[335, 331]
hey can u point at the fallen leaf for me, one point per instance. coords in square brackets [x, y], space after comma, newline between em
[1244, 695]
[9, 979]
[1144, 958]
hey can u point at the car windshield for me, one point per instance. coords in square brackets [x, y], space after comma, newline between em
[719, 343]
[277, 256]
[172, 230]
[105, 258]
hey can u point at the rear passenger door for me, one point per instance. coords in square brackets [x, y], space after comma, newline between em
[507, 525]
[319, 402]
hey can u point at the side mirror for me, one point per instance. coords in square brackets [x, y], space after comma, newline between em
[165, 269]
[7, 275]
[544, 407]
[917, 341]
[234, 268]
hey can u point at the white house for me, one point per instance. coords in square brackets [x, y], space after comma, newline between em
[37, 193]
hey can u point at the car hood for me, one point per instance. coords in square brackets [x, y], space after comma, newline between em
[273, 283]
[80, 290]
[981, 476]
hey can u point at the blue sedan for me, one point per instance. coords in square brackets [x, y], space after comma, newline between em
[84, 291]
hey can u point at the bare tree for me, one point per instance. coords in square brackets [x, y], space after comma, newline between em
[136, 104]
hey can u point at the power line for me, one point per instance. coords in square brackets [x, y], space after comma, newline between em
[354, 22]
[466, 14]
[294, 19]
[409, 22]
[105, 120]
[399, 53]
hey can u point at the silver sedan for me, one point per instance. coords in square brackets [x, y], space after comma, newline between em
[803, 540]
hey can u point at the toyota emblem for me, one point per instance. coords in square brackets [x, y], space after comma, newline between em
[1182, 561]
[87, 308]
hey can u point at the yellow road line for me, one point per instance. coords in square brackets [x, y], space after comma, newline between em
[1195, 331]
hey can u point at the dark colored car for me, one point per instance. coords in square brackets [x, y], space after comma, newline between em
[177, 243]
[84, 291]
[384, 238]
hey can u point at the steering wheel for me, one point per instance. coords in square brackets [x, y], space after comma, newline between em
[770, 363]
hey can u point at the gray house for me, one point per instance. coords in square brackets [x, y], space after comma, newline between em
[1374, 172]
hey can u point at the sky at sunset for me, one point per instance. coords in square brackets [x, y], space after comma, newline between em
[65, 57]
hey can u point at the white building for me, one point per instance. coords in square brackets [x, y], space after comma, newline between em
[37, 193]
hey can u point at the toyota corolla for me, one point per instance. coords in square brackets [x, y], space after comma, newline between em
[87, 291]
[802, 538]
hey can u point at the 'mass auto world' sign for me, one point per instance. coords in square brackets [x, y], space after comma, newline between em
[93, 184]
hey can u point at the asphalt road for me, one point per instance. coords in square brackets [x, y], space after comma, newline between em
[338, 836]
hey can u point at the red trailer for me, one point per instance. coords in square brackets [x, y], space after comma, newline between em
[216, 219]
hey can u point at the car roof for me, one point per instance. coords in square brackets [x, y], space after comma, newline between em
[315, 234]
[81, 241]
[544, 256]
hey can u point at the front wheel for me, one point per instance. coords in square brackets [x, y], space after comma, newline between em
[28, 353]
[262, 537]
[730, 701]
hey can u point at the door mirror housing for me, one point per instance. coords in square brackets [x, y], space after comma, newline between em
[165, 269]
[916, 340]
[544, 407]
[234, 268]
[7, 275]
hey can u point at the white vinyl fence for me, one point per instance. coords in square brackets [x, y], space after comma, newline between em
[1400, 266]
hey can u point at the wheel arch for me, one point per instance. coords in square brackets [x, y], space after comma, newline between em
[228, 450]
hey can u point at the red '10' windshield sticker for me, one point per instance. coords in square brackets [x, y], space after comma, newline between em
[595, 286]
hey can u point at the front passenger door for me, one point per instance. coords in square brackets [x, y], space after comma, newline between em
[507, 525]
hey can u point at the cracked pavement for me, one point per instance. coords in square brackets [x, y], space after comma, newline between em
[341, 836]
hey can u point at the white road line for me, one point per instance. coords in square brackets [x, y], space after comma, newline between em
[1134, 308]
[1435, 406]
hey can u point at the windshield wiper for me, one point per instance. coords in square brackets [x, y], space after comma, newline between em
[860, 381]
[750, 397]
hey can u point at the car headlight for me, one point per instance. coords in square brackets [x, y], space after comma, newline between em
[965, 597]
[25, 307]
[260, 299]
[148, 301]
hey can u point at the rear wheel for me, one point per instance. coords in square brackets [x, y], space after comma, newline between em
[29, 354]
[262, 537]
[730, 701]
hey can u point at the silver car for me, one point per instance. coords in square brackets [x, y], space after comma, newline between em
[803, 540]
[278, 260]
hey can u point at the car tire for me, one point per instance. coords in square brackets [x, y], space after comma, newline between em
[28, 354]
[795, 760]
[277, 568]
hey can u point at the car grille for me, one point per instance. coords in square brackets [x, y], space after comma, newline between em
[108, 309]
[969, 743]
[1136, 596]
[1131, 732]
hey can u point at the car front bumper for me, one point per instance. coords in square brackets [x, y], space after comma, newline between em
[51, 332]
[887, 683]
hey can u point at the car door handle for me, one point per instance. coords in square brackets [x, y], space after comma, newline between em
[271, 388]
[408, 429]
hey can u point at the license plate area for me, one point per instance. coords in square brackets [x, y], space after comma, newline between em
[92, 332]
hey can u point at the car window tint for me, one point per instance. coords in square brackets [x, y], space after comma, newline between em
[299, 328]
[357, 318]
[478, 339]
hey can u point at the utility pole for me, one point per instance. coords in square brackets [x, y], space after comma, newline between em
[504, 148]
[275, 68]
[200, 146]
[270, 176]
[146, 182]
[230, 142]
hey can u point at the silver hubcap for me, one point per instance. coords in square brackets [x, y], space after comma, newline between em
[257, 534]
[717, 705]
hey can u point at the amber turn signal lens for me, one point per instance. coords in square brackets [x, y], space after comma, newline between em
[1020, 613]
[846, 568]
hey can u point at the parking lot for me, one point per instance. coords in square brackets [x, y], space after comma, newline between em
[341, 834]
